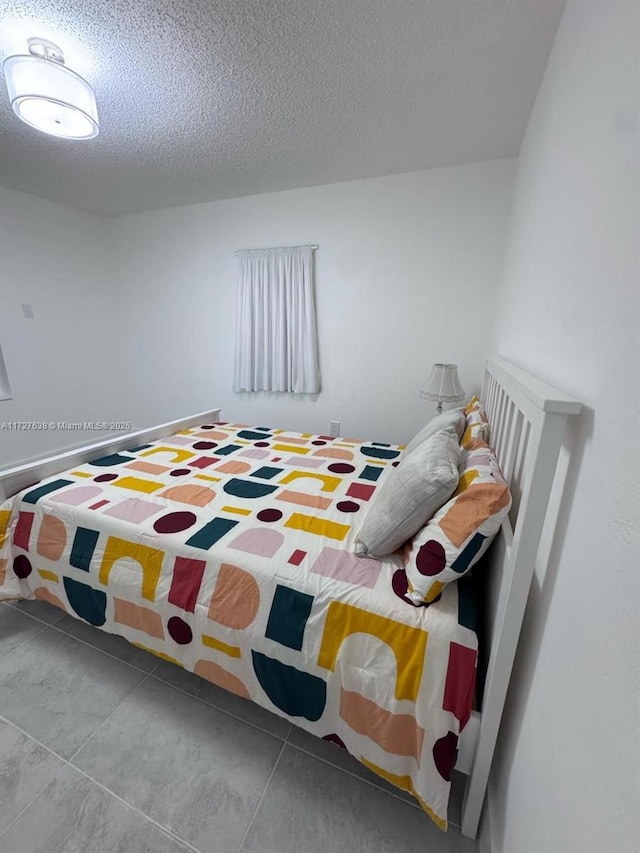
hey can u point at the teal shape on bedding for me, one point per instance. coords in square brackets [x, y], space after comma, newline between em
[370, 472]
[136, 449]
[467, 611]
[298, 694]
[227, 449]
[266, 472]
[210, 533]
[84, 544]
[88, 603]
[246, 489]
[253, 436]
[462, 563]
[379, 452]
[113, 459]
[34, 495]
[288, 616]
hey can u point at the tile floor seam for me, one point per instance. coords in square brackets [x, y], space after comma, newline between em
[216, 707]
[262, 796]
[31, 737]
[33, 800]
[24, 642]
[13, 604]
[142, 814]
[106, 720]
[77, 639]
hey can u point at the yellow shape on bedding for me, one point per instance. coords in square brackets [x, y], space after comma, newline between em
[46, 575]
[3, 571]
[466, 479]
[81, 474]
[206, 477]
[434, 591]
[329, 484]
[5, 515]
[408, 644]
[290, 448]
[219, 646]
[406, 783]
[149, 560]
[178, 455]
[137, 484]
[318, 526]
[237, 509]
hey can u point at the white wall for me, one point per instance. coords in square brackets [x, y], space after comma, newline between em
[567, 776]
[406, 275]
[64, 364]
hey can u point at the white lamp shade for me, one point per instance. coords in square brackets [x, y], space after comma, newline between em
[50, 97]
[443, 384]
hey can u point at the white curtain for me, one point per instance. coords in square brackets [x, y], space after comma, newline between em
[276, 334]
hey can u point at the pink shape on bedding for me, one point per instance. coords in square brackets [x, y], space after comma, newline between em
[334, 453]
[186, 440]
[140, 618]
[77, 496]
[44, 594]
[347, 567]
[233, 466]
[134, 510]
[217, 675]
[263, 541]
[398, 734]
[194, 495]
[302, 462]
[254, 453]
[304, 499]
[147, 467]
[235, 599]
[52, 538]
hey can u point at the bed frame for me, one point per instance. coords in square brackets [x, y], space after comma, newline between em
[527, 419]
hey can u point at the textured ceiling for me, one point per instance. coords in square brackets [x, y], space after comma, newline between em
[207, 99]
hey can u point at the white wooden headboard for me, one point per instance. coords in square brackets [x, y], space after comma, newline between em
[527, 418]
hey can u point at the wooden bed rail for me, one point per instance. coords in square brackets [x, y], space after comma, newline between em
[13, 480]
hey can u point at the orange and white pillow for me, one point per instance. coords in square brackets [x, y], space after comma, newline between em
[462, 530]
[477, 427]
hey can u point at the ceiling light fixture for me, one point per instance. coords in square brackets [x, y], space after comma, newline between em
[47, 95]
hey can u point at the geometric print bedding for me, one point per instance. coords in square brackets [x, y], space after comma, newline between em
[228, 550]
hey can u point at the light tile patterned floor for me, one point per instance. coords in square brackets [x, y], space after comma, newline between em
[103, 747]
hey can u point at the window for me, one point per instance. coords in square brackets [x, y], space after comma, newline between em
[276, 334]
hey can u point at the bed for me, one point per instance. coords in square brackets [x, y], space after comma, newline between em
[229, 550]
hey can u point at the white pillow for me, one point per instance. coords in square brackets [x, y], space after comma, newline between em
[454, 418]
[412, 493]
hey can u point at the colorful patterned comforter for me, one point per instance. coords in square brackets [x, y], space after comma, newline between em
[228, 550]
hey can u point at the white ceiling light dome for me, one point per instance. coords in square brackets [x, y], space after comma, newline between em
[47, 95]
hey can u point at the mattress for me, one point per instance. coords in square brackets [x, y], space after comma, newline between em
[228, 550]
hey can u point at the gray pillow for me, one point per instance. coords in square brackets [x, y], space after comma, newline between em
[454, 418]
[413, 492]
